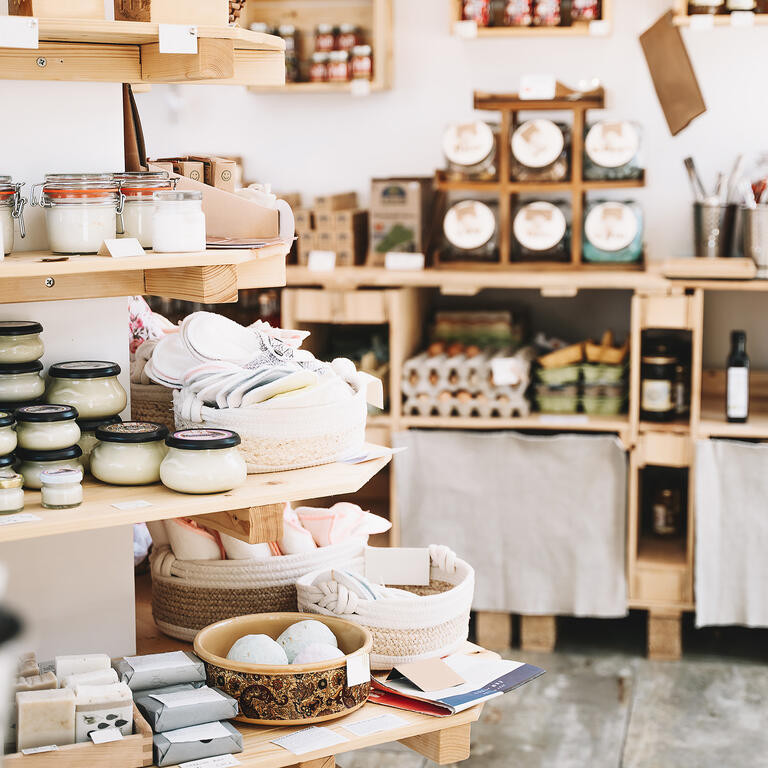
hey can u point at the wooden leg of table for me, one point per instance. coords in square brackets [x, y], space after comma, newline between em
[538, 633]
[323, 762]
[442, 747]
[665, 642]
[493, 630]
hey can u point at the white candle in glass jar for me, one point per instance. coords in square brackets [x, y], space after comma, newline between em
[21, 382]
[88, 439]
[20, 341]
[139, 209]
[47, 427]
[61, 488]
[80, 228]
[203, 461]
[35, 462]
[11, 207]
[129, 453]
[91, 386]
[11, 493]
[179, 223]
[8, 440]
[6, 227]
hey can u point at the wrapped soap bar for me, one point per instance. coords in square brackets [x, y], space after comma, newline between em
[44, 682]
[196, 743]
[158, 670]
[102, 706]
[45, 718]
[97, 677]
[75, 665]
[170, 709]
[28, 665]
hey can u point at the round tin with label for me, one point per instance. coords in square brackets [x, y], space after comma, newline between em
[469, 225]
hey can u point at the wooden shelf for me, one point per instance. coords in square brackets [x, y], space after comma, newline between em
[684, 20]
[667, 427]
[98, 510]
[668, 553]
[320, 88]
[128, 52]
[713, 424]
[209, 277]
[559, 422]
[706, 269]
[542, 187]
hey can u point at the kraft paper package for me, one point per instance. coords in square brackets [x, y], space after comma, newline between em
[181, 706]
[159, 670]
[196, 743]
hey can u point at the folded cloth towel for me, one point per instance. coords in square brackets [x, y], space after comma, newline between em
[296, 538]
[236, 549]
[190, 541]
[341, 522]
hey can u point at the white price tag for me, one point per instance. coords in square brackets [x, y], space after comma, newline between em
[403, 261]
[321, 261]
[19, 32]
[742, 18]
[177, 38]
[222, 761]
[360, 87]
[375, 725]
[465, 29]
[600, 28]
[397, 567]
[105, 735]
[358, 669]
[128, 505]
[507, 371]
[121, 248]
[702, 21]
[39, 750]
[539, 87]
[20, 517]
[309, 739]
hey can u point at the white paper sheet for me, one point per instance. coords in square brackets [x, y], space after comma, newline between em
[309, 739]
[197, 733]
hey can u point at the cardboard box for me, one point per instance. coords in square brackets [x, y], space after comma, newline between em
[218, 172]
[292, 198]
[400, 216]
[304, 244]
[189, 168]
[325, 241]
[304, 219]
[213, 12]
[350, 219]
[346, 258]
[337, 202]
[163, 165]
[323, 220]
[56, 9]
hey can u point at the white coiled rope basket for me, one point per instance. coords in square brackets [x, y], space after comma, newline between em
[188, 595]
[435, 623]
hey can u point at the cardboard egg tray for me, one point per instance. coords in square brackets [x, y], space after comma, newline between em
[503, 405]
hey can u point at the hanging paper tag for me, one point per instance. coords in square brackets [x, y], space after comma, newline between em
[538, 87]
[702, 21]
[600, 28]
[360, 87]
[177, 38]
[121, 248]
[398, 566]
[465, 29]
[358, 669]
[19, 32]
[742, 18]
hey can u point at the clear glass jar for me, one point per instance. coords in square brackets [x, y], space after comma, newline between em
[550, 13]
[8, 440]
[540, 151]
[139, 207]
[20, 341]
[21, 382]
[88, 439]
[35, 462]
[11, 493]
[541, 232]
[518, 13]
[613, 232]
[47, 427]
[289, 34]
[348, 37]
[338, 67]
[179, 222]
[61, 488]
[362, 62]
[318, 69]
[91, 386]
[612, 150]
[203, 461]
[585, 10]
[81, 210]
[129, 453]
[11, 207]
[657, 383]
[478, 11]
[667, 513]
[325, 39]
[706, 6]
[471, 232]
[470, 151]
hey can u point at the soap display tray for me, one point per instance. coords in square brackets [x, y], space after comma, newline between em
[133, 751]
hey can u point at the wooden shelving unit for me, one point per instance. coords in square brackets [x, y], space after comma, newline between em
[579, 422]
[683, 19]
[128, 52]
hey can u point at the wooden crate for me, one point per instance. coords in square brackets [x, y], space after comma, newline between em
[213, 12]
[57, 9]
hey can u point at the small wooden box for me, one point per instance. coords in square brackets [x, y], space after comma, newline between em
[337, 202]
[304, 220]
[58, 9]
[210, 12]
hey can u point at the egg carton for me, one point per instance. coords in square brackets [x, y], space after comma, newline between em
[502, 407]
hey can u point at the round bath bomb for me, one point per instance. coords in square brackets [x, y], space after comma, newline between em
[305, 633]
[257, 649]
[315, 652]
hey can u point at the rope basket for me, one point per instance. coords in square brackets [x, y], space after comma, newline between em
[188, 595]
[151, 402]
[404, 630]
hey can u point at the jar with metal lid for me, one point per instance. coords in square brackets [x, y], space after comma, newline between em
[712, 7]
[551, 13]
[290, 35]
[540, 151]
[139, 207]
[11, 208]
[318, 69]
[8, 439]
[613, 232]
[325, 39]
[47, 427]
[470, 151]
[338, 67]
[179, 224]
[657, 382]
[203, 461]
[129, 453]
[88, 440]
[21, 382]
[667, 513]
[35, 462]
[585, 10]
[541, 232]
[362, 63]
[471, 231]
[20, 341]
[91, 386]
[612, 150]
[61, 488]
[518, 13]
[741, 5]
[348, 37]
[11, 493]
[81, 210]
[478, 11]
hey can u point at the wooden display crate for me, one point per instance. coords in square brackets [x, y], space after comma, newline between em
[683, 18]
[57, 9]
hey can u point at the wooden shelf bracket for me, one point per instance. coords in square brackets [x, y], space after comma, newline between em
[254, 525]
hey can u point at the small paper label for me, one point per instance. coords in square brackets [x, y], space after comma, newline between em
[466, 29]
[600, 28]
[321, 261]
[21, 517]
[197, 733]
[309, 740]
[170, 660]
[403, 261]
[507, 371]
[375, 725]
[222, 761]
[742, 18]
[360, 87]
[121, 248]
[39, 750]
[187, 698]
[399, 566]
[177, 38]
[135, 504]
[105, 735]
[367, 453]
[537, 87]
[19, 32]
[702, 21]
[358, 669]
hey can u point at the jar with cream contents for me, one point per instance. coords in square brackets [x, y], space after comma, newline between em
[47, 427]
[179, 223]
[139, 209]
[129, 453]
[203, 461]
[88, 440]
[540, 151]
[11, 209]
[91, 386]
[8, 439]
[20, 341]
[35, 462]
[61, 488]
[11, 493]
[21, 382]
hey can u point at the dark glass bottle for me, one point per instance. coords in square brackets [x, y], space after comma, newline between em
[737, 379]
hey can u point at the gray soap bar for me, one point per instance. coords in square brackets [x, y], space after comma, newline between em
[174, 747]
[159, 670]
[170, 708]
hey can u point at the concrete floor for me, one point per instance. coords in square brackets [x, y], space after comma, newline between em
[602, 705]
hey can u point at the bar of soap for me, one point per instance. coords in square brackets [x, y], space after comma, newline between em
[44, 682]
[196, 743]
[159, 670]
[102, 706]
[177, 707]
[76, 665]
[98, 677]
[28, 665]
[45, 718]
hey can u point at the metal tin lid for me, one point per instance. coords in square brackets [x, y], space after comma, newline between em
[286, 30]
[347, 29]
[324, 29]
[61, 476]
[539, 226]
[84, 369]
[73, 452]
[320, 57]
[173, 196]
[467, 143]
[469, 224]
[143, 184]
[338, 55]
[131, 432]
[8, 369]
[91, 425]
[7, 419]
[611, 226]
[11, 481]
[59, 185]
[203, 439]
[19, 328]
[612, 143]
[8, 460]
[46, 413]
[361, 50]
[537, 143]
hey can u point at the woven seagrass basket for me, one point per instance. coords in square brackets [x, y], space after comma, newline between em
[151, 402]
